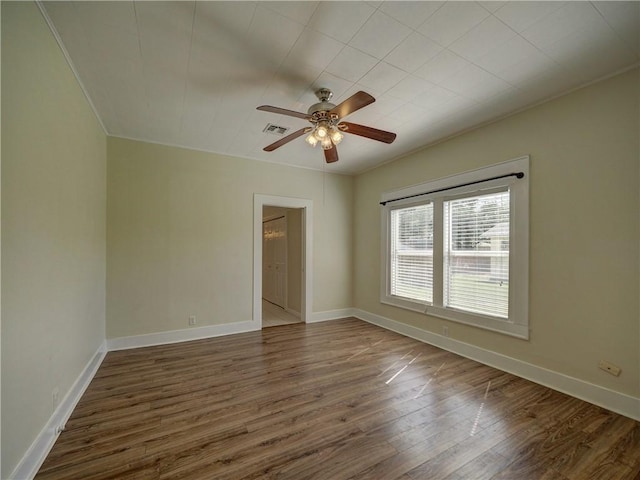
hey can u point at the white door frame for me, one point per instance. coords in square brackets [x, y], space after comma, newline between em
[259, 201]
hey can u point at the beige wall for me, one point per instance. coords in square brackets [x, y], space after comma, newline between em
[180, 233]
[53, 228]
[584, 229]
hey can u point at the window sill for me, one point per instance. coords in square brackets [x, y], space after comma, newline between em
[493, 324]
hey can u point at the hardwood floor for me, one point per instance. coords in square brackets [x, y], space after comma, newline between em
[333, 400]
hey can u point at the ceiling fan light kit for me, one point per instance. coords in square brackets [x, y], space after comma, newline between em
[326, 134]
[327, 126]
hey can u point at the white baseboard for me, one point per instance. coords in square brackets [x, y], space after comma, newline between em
[198, 333]
[330, 315]
[615, 401]
[175, 336]
[42, 445]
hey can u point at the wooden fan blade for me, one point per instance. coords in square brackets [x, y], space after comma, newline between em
[369, 132]
[283, 111]
[287, 139]
[331, 155]
[353, 103]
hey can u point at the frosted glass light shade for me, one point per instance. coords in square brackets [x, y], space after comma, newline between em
[336, 136]
[312, 140]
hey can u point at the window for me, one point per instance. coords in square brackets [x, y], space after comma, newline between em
[461, 251]
[476, 266]
[412, 252]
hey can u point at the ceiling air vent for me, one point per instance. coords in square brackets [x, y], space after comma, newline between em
[275, 129]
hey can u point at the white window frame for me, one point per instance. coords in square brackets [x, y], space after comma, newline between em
[517, 323]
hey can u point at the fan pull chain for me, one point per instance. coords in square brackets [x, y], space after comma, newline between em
[324, 177]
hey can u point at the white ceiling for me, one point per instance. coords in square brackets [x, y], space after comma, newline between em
[192, 73]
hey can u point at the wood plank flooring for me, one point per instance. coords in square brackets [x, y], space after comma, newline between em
[333, 400]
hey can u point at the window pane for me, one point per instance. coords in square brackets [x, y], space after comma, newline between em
[412, 252]
[476, 256]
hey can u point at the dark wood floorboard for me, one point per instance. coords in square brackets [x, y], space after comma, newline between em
[333, 400]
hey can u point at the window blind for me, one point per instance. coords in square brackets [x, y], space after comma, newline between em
[411, 259]
[476, 254]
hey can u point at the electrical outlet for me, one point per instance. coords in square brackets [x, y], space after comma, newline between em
[609, 368]
[192, 320]
[445, 331]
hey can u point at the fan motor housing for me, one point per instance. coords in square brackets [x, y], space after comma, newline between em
[320, 107]
[324, 95]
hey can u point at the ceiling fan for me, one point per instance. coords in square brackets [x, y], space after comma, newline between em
[327, 125]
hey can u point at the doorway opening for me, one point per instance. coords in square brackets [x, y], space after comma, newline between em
[281, 265]
[282, 288]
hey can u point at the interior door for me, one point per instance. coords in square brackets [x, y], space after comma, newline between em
[274, 260]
